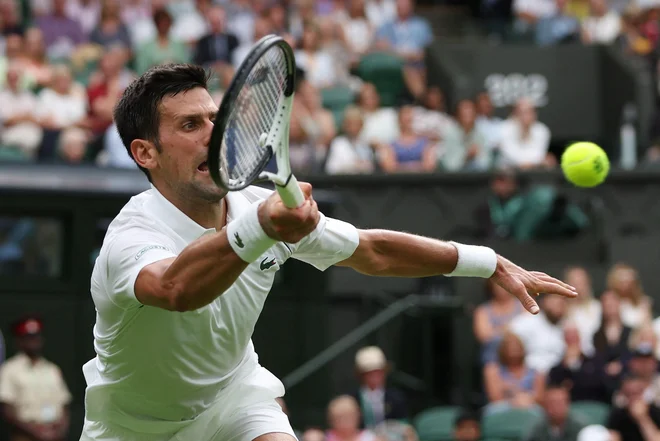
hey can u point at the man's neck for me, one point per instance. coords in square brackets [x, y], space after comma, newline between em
[208, 214]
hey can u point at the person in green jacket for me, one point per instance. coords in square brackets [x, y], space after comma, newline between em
[557, 423]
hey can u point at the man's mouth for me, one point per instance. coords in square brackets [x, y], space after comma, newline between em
[203, 167]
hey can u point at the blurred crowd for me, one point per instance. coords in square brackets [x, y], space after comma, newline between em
[64, 64]
[602, 349]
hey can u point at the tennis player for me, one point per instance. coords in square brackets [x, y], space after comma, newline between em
[185, 269]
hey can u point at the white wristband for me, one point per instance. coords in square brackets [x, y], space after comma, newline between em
[474, 261]
[246, 237]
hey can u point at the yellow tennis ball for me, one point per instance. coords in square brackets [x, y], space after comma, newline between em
[585, 164]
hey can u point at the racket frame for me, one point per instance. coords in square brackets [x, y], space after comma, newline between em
[277, 139]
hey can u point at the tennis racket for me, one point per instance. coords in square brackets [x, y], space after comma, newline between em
[252, 123]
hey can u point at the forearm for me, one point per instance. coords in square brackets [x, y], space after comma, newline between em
[395, 254]
[649, 431]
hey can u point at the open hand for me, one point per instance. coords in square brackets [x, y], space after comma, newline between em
[523, 284]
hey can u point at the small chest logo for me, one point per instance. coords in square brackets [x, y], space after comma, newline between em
[266, 264]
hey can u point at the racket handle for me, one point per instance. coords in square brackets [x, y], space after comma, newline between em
[291, 194]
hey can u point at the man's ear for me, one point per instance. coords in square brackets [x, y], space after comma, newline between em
[145, 153]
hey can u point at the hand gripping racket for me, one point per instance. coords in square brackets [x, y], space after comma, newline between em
[252, 123]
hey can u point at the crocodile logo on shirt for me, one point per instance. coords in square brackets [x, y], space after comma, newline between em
[265, 264]
[238, 241]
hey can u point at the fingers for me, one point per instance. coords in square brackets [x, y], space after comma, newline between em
[527, 301]
[547, 278]
[306, 188]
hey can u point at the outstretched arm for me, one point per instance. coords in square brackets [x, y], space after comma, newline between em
[396, 254]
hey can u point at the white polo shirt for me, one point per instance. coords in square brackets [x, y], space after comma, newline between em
[543, 341]
[163, 367]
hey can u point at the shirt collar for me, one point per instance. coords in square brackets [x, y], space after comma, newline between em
[185, 227]
[165, 211]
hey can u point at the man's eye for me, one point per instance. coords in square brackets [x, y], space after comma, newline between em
[189, 126]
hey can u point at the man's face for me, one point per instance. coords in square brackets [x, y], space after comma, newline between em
[644, 366]
[557, 404]
[31, 344]
[554, 308]
[374, 379]
[468, 430]
[186, 122]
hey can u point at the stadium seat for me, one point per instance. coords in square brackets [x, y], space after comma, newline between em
[591, 412]
[12, 154]
[510, 424]
[336, 99]
[385, 71]
[436, 424]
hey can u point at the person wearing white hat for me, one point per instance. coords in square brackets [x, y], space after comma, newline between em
[378, 402]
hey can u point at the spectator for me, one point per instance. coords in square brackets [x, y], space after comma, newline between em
[463, 145]
[357, 32]
[216, 48]
[61, 106]
[262, 27]
[487, 123]
[395, 431]
[381, 124]
[594, 432]
[317, 63]
[348, 152]
[18, 115]
[611, 340]
[509, 381]
[524, 140]
[430, 119]
[13, 54]
[380, 12]
[134, 11]
[407, 36]
[192, 25]
[243, 15]
[410, 152]
[636, 420]
[314, 128]
[332, 42]
[543, 353]
[557, 423]
[492, 319]
[313, 435]
[631, 39]
[36, 66]
[301, 13]
[581, 374]
[561, 27]
[529, 12]
[61, 33]
[344, 421]
[163, 49]
[467, 427]
[85, 12]
[644, 364]
[379, 402]
[114, 153]
[72, 146]
[498, 216]
[141, 26]
[105, 87]
[644, 336]
[12, 20]
[111, 31]
[635, 304]
[34, 395]
[585, 312]
[602, 26]
[278, 17]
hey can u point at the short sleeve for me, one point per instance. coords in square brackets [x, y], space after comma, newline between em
[125, 257]
[8, 389]
[61, 392]
[331, 242]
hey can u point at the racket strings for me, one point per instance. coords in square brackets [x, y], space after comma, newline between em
[255, 110]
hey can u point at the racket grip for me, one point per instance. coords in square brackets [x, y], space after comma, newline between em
[291, 194]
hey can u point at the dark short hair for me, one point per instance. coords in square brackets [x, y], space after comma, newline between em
[466, 415]
[137, 113]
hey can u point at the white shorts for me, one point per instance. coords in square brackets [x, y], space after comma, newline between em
[245, 411]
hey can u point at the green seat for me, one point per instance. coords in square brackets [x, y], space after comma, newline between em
[510, 424]
[591, 412]
[385, 71]
[436, 424]
[336, 99]
[12, 154]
